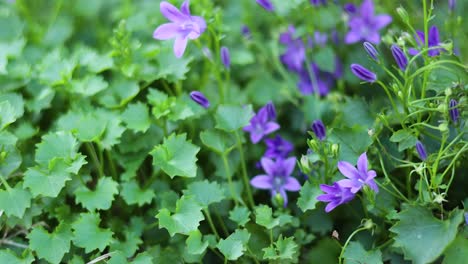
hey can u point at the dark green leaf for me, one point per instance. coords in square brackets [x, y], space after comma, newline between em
[356, 254]
[51, 247]
[88, 235]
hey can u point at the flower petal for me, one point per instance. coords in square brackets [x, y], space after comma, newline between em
[373, 185]
[348, 170]
[166, 31]
[285, 197]
[270, 127]
[268, 165]
[288, 165]
[331, 206]
[184, 8]
[362, 163]
[352, 37]
[261, 182]
[433, 36]
[382, 21]
[179, 46]
[292, 184]
[171, 12]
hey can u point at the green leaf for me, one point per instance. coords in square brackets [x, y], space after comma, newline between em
[356, 254]
[353, 142]
[205, 192]
[356, 112]
[8, 256]
[186, 218]
[15, 201]
[100, 198]
[95, 62]
[89, 86]
[16, 102]
[172, 69]
[233, 117]
[119, 93]
[264, 217]
[283, 249]
[421, 236]
[56, 145]
[47, 182]
[234, 245]
[10, 157]
[457, 250]
[88, 235]
[176, 156]
[404, 138]
[8, 114]
[133, 194]
[51, 247]
[240, 215]
[194, 243]
[136, 116]
[308, 197]
[79, 124]
[325, 59]
[217, 140]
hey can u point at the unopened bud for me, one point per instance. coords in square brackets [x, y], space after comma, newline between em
[335, 148]
[305, 164]
[442, 108]
[403, 14]
[443, 127]
[368, 224]
[448, 92]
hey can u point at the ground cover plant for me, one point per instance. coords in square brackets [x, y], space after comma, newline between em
[264, 131]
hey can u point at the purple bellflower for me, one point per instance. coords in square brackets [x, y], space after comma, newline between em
[400, 57]
[295, 54]
[421, 150]
[371, 51]
[271, 110]
[246, 32]
[321, 83]
[278, 148]
[363, 73]
[350, 8]
[278, 177]
[261, 125]
[225, 57]
[319, 129]
[453, 110]
[433, 41]
[266, 4]
[335, 195]
[200, 99]
[451, 5]
[183, 26]
[364, 25]
[359, 177]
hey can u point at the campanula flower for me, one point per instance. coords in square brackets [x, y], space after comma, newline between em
[200, 99]
[225, 57]
[451, 4]
[321, 83]
[421, 150]
[371, 51]
[359, 177]
[363, 73]
[335, 195]
[364, 25]
[260, 125]
[278, 148]
[319, 129]
[350, 8]
[183, 26]
[433, 41]
[266, 4]
[453, 110]
[278, 177]
[295, 55]
[271, 110]
[400, 57]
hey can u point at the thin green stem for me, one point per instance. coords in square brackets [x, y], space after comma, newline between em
[111, 164]
[210, 221]
[92, 152]
[347, 242]
[227, 170]
[7, 186]
[244, 170]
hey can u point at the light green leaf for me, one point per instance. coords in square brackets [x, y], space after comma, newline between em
[56, 145]
[89, 86]
[47, 182]
[15, 201]
[8, 114]
[88, 235]
[421, 236]
[10, 157]
[79, 124]
[308, 197]
[457, 250]
[119, 93]
[356, 254]
[172, 69]
[234, 245]
[133, 194]
[283, 249]
[217, 140]
[325, 59]
[51, 247]
[8, 256]
[205, 192]
[194, 243]
[113, 132]
[353, 142]
[240, 215]
[264, 217]
[136, 116]
[100, 198]
[233, 117]
[404, 138]
[186, 218]
[95, 62]
[176, 156]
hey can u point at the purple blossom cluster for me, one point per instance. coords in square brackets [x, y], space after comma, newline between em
[343, 191]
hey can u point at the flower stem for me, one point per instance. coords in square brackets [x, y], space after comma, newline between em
[347, 242]
[92, 152]
[227, 169]
[7, 186]
[244, 170]
[210, 221]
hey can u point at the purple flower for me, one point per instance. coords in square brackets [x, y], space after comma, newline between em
[451, 4]
[261, 125]
[466, 218]
[200, 99]
[335, 195]
[433, 41]
[350, 8]
[321, 83]
[278, 148]
[399, 57]
[363, 73]
[183, 26]
[319, 129]
[364, 25]
[271, 110]
[318, 2]
[421, 150]
[359, 177]
[371, 51]
[266, 4]
[278, 177]
[320, 38]
[295, 54]
[453, 110]
[246, 32]
[225, 58]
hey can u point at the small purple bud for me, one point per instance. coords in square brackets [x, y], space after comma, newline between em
[271, 111]
[453, 110]
[318, 2]
[266, 4]
[350, 8]
[399, 57]
[200, 99]
[319, 129]
[246, 32]
[451, 4]
[466, 218]
[421, 150]
[363, 73]
[370, 49]
[225, 58]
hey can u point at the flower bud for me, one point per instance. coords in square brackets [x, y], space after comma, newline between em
[421, 150]
[370, 49]
[453, 110]
[304, 161]
[225, 57]
[200, 99]
[319, 129]
[335, 149]
[448, 92]
[443, 127]
[266, 4]
[403, 14]
[399, 57]
[363, 73]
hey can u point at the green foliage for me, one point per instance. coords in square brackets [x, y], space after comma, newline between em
[51, 246]
[176, 156]
[194, 243]
[457, 250]
[47, 181]
[205, 192]
[88, 235]
[283, 249]
[308, 197]
[216, 140]
[133, 194]
[352, 142]
[264, 217]
[14, 201]
[356, 254]
[235, 244]
[8, 256]
[240, 215]
[136, 116]
[404, 138]
[231, 117]
[100, 198]
[185, 219]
